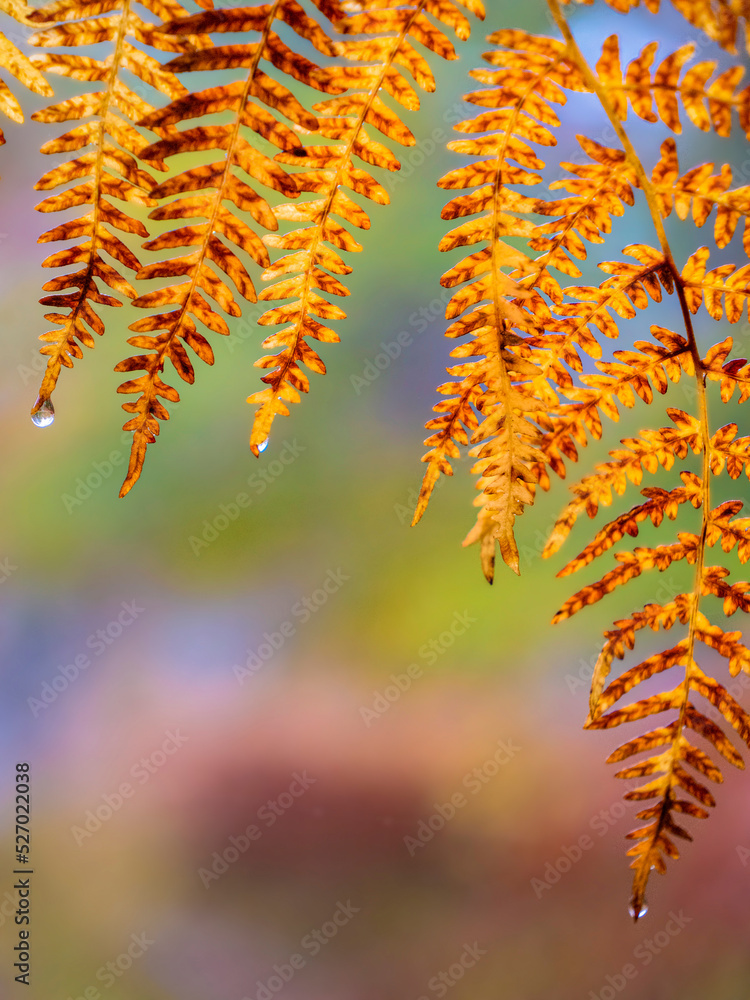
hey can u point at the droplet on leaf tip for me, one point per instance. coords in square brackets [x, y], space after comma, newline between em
[641, 913]
[262, 446]
[45, 415]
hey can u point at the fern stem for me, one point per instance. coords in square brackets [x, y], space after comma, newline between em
[592, 80]
[643, 869]
[499, 324]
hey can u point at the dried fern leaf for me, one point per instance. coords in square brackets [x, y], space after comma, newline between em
[698, 192]
[215, 193]
[671, 770]
[495, 398]
[112, 169]
[676, 773]
[312, 266]
[661, 97]
[720, 20]
[647, 453]
[18, 65]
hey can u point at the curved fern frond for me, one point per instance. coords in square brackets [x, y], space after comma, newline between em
[671, 773]
[112, 169]
[329, 170]
[203, 190]
[721, 526]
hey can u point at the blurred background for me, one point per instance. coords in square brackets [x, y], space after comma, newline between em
[283, 744]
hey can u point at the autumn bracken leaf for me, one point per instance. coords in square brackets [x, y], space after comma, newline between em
[524, 397]
[19, 65]
[204, 191]
[328, 171]
[112, 169]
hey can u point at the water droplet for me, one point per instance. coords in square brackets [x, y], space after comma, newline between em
[641, 913]
[262, 446]
[45, 415]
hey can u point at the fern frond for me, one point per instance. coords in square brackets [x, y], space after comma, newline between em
[720, 20]
[671, 773]
[601, 189]
[720, 526]
[312, 266]
[224, 184]
[698, 192]
[708, 105]
[724, 291]
[112, 169]
[654, 448]
[18, 65]
[631, 287]
[498, 284]
[660, 503]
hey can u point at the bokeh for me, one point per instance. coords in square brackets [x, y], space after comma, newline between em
[283, 745]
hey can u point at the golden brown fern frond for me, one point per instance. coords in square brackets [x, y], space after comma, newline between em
[499, 284]
[525, 398]
[112, 168]
[19, 65]
[724, 291]
[721, 526]
[600, 190]
[708, 104]
[653, 449]
[698, 192]
[720, 20]
[314, 261]
[671, 773]
[203, 190]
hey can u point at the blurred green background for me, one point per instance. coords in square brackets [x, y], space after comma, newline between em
[407, 684]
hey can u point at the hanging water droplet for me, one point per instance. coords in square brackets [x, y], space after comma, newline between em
[641, 913]
[262, 446]
[45, 415]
